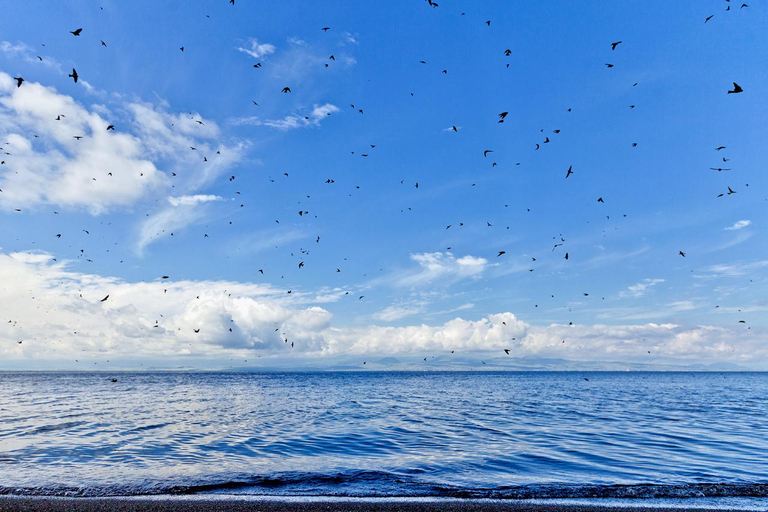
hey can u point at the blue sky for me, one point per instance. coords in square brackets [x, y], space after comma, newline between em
[427, 288]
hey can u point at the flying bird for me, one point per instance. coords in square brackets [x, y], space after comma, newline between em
[286, 89]
[681, 253]
[76, 32]
[104, 299]
[614, 45]
[485, 153]
[74, 75]
[19, 80]
[708, 18]
[736, 89]
[570, 171]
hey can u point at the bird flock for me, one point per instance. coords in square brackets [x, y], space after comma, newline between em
[490, 156]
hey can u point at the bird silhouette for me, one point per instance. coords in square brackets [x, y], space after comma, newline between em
[570, 171]
[614, 45]
[19, 81]
[736, 89]
[286, 89]
[76, 32]
[74, 75]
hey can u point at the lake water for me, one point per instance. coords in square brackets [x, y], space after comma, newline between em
[450, 434]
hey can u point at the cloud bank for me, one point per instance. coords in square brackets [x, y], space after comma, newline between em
[177, 321]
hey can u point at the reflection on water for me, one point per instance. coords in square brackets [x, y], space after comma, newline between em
[384, 433]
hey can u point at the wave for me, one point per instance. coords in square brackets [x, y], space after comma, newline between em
[376, 484]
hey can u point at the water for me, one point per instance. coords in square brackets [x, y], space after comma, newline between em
[497, 435]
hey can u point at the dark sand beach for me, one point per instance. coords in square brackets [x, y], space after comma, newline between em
[171, 504]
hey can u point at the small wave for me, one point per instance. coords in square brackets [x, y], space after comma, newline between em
[376, 484]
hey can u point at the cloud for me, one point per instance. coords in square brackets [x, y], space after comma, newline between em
[739, 225]
[104, 170]
[193, 200]
[313, 118]
[257, 50]
[28, 53]
[156, 321]
[165, 222]
[639, 289]
[443, 267]
[400, 311]
[56, 168]
[733, 269]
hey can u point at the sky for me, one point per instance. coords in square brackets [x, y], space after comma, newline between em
[293, 185]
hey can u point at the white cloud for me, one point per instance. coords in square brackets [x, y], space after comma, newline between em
[105, 169]
[400, 311]
[349, 38]
[296, 41]
[155, 321]
[441, 266]
[734, 269]
[257, 50]
[739, 225]
[56, 168]
[193, 200]
[320, 111]
[313, 118]
[28, 53]
[639, 289]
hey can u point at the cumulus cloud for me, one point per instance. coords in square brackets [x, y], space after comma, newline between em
[100, 170]
[739, 225]
[47, 165]
[256, 50]
[175, 321]
[145, 319]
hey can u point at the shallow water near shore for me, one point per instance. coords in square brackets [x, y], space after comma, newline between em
[385, 434]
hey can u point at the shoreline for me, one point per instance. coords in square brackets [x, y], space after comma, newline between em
[248, 503]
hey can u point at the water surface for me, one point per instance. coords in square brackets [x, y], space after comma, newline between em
[465, 434]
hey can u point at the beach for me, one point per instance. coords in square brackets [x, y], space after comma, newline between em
[238, 504]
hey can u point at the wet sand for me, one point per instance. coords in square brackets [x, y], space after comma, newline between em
[173, 504]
